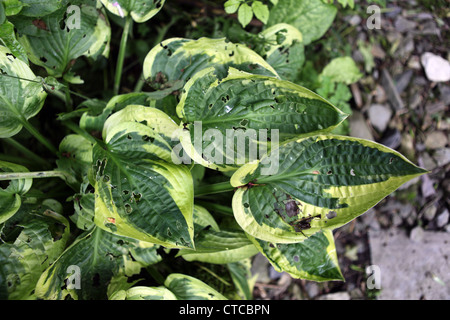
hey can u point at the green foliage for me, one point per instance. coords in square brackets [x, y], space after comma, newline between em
[150, 206]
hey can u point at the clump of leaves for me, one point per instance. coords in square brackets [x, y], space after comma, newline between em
[152, 194]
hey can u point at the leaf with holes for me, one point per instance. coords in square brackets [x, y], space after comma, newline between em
[180, 59]
[31, 241]
[218, 115]
[21, 93]
[322, 183]
[8, 36]
[56, 48]
[139, 193]
[311, 17]
[189, 288]
[144, 293]
[313, 259]
[140, 10]
[283, 49]
[96, 257]
[11, 196]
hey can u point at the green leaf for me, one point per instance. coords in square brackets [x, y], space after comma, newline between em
[56, 48]
[75, 159]
[283, 49]
[245, 14]
[8, 39]
[39, 8]
[31, 241]
[192, 56]
[21, 93]
[189, 288]
[140, 10]
[322, 183]
[140, 194]
[311, 17]
[313, 259]
[219, 107]
[342, 69]
[242, 278]
[12, 7]
[10, 197]
[231, 6]
[144, 293]
[99, 256]
[261, 11]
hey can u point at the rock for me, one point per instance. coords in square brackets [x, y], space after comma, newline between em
[403, 25]
[442, 157]
[402, 82]
[260, 266]
[414, 63]
[312, 289]
[358, 126]
[437, 69]
[391, 90]
[430, 212]
[380, 94]
[335, 296]
[427, 186]
[444, 93]
[427, 162]
[392, 139]
[379, 116]
[408, 270]
[442, 218]
[436, 140]
[417, 234]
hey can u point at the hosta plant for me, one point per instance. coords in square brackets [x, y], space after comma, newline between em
[168, 192]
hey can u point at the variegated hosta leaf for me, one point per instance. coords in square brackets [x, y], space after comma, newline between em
[322, 183]
[180, 59]
[75, 159]
[189, 288]
[21, 93]
[55, 48]
[144, 293]
[283, 49]
[138, 194]
[8, 36]
[243, 278]
[221, 115]
[10, 197]
[313, 259]
[140, 10]
[25, 254]
[95, 258]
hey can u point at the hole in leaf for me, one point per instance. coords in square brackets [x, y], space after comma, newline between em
[246, 205]
[148, 139]
[331, 214]
[96, 280]
[243, 122]
[296, 259]
[128, 208]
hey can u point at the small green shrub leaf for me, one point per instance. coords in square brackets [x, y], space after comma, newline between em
[189, 288]
[245, 14]
[342, 69]
[261, 11]
[21, 93]
[144, 293]
[140, 10]
[322, 183]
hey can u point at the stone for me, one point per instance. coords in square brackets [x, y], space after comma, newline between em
[411, 270]
[427, 162]
[436, 140]
[344, 295]
[379, 116]
[430, 212]
[442, 157]
[442, 219]
[402, 82]
[403, 25]
[358, 126]
[417, 234]
[391, 91]
[437, 69]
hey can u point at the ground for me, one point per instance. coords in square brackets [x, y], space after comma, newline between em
[403, 103]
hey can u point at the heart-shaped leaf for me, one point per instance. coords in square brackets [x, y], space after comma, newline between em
[322, 183]
[180, 59]
[139, 193]
[21, 93]
[56, 48]
[218, 114]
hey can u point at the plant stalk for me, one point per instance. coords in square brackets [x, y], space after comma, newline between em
[213, 188]
[39, 136]
[121, 57]
[31, 175]
[27, 152]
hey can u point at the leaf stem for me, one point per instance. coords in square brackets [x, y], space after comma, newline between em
[121, 57]
[27, 152]
[213, 188]
[80, 131]
[39, 136]
[32, 175]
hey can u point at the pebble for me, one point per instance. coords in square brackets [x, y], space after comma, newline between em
[442, 157]
[430, 213]
[437, 69]
[436, 140]
[379, 116]
[417, 234]
[442, 218]
[403, 25]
